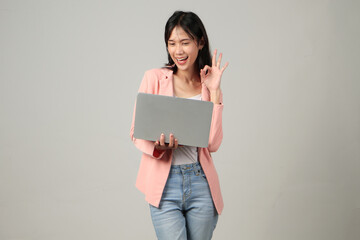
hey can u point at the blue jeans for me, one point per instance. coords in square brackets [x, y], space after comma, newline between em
[186, 209]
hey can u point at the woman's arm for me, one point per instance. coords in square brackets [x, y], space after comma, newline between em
[211, 77]
[216, 131]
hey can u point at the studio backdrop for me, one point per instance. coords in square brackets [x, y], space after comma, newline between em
[289, 164]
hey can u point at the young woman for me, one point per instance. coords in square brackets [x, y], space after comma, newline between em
[180, 182]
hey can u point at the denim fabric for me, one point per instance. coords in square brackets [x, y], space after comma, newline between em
[186, 209]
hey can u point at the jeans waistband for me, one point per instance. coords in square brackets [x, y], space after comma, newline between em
[184, 168]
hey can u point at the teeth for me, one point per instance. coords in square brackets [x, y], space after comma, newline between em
[181, 59]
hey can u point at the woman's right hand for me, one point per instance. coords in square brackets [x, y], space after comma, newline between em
[162, 146]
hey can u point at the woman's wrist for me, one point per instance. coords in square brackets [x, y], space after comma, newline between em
[215, 96]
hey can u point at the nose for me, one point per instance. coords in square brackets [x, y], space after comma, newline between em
[178, 49]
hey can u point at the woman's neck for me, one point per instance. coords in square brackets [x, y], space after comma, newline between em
[188, 76]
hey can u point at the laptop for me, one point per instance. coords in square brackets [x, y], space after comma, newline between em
[188, 119]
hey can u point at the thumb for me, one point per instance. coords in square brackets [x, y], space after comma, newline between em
[202, 75]
[204, 72]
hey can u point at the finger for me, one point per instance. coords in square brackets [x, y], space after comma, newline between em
[219, 60]
[202, 75]
[157, 145]
[214, 58]
[171, 141]
[176, 143]
[205, 71]
[162, 140]
[225, 66]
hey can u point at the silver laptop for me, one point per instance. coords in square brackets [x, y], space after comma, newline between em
[189, 120]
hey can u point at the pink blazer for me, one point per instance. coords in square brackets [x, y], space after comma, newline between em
[154, 170]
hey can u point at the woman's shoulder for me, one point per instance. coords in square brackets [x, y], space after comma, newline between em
[152, 79]
[158, 73]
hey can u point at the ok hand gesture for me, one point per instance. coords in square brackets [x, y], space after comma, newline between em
[211, 76]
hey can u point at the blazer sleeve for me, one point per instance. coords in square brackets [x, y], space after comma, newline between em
[216, 131]
[145, 146]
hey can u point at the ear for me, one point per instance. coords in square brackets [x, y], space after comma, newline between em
[201, 43]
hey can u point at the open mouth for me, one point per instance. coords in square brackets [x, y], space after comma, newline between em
[182, 60]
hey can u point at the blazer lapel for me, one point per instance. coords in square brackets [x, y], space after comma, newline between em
[166, 87]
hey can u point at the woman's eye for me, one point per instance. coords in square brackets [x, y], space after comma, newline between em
[185, 43]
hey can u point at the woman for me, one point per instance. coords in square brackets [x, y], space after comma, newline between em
[180, 182]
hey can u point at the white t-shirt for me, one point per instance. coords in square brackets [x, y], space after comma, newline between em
[186, 154]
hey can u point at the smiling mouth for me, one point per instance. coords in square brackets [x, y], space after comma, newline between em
[182, 60]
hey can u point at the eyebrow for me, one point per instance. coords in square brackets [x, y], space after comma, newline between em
[185, 39]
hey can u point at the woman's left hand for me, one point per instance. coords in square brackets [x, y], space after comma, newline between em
[211, 76]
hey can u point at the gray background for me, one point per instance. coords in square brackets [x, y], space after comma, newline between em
[289, 163]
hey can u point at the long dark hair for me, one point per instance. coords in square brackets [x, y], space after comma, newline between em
[194, 27]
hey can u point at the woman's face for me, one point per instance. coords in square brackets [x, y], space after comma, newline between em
[183, 49]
